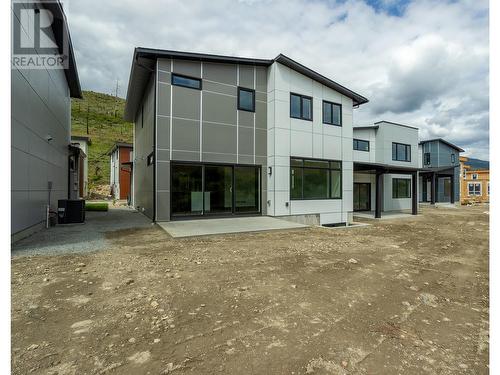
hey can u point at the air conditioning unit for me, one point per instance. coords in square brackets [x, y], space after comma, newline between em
[71, 211]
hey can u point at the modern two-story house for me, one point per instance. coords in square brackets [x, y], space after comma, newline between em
[385, 167]
[219, 136]
[439, 178]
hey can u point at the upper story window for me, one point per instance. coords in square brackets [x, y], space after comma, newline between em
[332, 113]
[474, 176]
[315, 179]
[301, 107]
[185, 81]
[246, 99]
[427, 158]
[464, 173]
[452, 158]
[401, 152]
[360, 145]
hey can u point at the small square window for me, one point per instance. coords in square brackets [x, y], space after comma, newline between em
[246, 99]
[332, 113]
[301, 107]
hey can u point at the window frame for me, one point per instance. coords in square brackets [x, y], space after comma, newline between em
[302, 97]
[469, 184]
[452, 158]
[427, 158]
[332, 104]
[173, 75]
[356, 141]
[474, 176]
[395, 195]
[240, 88]
[407, 152]
[329, 169]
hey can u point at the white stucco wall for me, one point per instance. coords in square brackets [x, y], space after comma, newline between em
[307, 139]
[395, 204]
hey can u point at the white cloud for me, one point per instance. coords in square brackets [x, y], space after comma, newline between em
[428, 67]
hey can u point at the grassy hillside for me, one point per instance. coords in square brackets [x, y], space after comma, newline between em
[104, 115]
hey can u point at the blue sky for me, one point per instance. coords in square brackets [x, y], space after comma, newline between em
[422, 63]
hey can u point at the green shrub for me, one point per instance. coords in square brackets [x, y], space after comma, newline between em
[96, 206]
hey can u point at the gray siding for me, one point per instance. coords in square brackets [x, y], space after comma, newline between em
[440, 156]
[205, 125]
[40, 107]
[143, 146]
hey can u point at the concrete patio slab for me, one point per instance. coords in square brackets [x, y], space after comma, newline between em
[204, 227]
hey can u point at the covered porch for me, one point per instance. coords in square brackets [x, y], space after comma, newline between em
[431, 179]
[378, 172]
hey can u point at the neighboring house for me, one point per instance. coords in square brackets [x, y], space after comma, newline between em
[83, 144]
[385, 167]
[439, 177]
[474, 184]
[221, 136]
[41, 135]
[121, 154]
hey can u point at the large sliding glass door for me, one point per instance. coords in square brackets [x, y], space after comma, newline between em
[361, 197]
[213, 190]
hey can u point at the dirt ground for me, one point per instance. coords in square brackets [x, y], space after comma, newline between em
[403, 296]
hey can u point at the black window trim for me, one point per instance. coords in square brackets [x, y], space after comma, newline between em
[188, 77]
[357, 140]
[408, 154]
[150, 159]
[427, 158]
[301, 106]
[408, 181]
[240, 88]
[323, 114]
[329, 179]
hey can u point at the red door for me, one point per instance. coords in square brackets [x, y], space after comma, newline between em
[124, 173]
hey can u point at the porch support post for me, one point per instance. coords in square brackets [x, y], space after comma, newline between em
[414, 197]
[433, 188]
[452, 189]
[379, 188]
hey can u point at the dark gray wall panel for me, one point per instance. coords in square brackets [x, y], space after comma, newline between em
[224, 73]
[245, 118]
[260, 142]
[219, 158]
[185, 155]
[163, 100]
[163, 176]
[245, 141]
[246, 76]
[261, 78]
[220, 88]
[185, 103]
[260, 115]
[164, 64]
[189, 68]
[164, 77]
[185, 135]
[163, 206]
[163, 139]
[219, 108]
[219, 138]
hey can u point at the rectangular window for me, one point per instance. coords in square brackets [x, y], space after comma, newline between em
[465, 174]
[315, 179]
[360, 145]
[474, 188]
[401, 188]
[401, 152]
[246, 99]
[427, 158]
[184, 81]
[452, 156]
[332, 113]
[474, 176]
[488, 188]
[301, 107]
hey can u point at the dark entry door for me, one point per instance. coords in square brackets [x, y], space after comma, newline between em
[361, 196]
